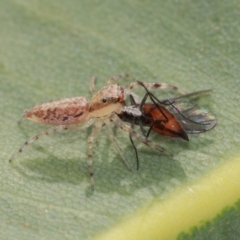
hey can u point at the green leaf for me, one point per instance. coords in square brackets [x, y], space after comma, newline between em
[49, 50]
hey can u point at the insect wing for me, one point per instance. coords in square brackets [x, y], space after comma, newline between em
[194, 119]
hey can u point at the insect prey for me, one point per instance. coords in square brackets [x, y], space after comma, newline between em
[173, 117]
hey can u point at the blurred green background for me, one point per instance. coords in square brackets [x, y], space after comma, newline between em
[50, 49]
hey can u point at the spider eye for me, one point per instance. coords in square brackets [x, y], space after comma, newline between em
[104, 100]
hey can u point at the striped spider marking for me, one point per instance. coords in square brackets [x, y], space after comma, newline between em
[101, 110]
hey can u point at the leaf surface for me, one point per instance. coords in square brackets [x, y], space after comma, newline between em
[49, 50]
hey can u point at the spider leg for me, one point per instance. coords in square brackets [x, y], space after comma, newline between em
[159, 86]
[125, 127]
[118, 148]
[49, 132]
[149, 143]
[114, 79]
[92, 84]
[91, 137]
[20, 120]
[137, 83]
[38, 136]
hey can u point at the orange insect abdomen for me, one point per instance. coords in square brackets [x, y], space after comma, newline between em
[163, 122]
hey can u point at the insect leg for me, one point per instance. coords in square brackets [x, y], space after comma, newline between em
[33, 139]
[154, 100]
[133, 102]
[91, 137]
[135, 150]
[125, 127]
[118, 148]
[144, 114]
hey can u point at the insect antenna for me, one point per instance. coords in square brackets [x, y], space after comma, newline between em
[152, 97]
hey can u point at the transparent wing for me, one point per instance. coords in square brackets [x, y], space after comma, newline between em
[193, 119]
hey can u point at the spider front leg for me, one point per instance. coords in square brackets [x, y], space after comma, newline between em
[157, 86]
[118, 148]
[38, 136]
[137, 83]
[125, 127]
[92, 136]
